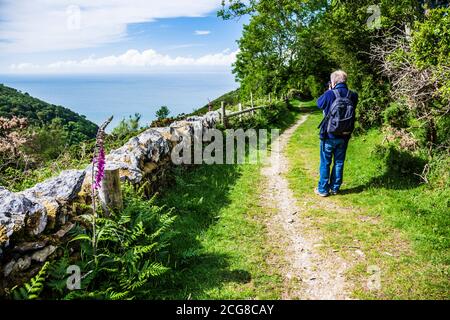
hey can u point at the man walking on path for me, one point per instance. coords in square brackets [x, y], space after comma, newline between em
[338, 105]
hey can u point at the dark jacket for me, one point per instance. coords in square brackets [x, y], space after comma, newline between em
[326, 100]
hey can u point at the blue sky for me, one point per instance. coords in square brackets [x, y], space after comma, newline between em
[58, 36]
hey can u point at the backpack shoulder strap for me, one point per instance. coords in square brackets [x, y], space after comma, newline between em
[348, 94]
[336, 93]
[325, 119]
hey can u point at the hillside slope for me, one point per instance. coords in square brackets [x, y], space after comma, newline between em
[39, 113]
[229, 98]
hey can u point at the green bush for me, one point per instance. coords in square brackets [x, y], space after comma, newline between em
[396, 115]
[127, 127]
[47, 142]
[373, 98]
[400, 164]
[314, 86]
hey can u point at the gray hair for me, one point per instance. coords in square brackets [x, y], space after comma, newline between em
[339, 76]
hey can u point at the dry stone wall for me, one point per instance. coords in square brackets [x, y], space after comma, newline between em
[35, 222]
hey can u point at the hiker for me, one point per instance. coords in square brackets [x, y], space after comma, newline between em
[338, 105]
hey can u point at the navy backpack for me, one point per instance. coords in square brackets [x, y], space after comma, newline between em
[340, 120]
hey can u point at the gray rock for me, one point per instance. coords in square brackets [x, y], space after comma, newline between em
[8, 268]
[149, 146]
[56, 192]
[63, 231]
[23, 263]
[211, 119]
[63, 188]
[30, 246]
[18, 212]
[42, 255]
[156, 146]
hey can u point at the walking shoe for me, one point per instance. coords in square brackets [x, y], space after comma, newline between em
[333, 193]
[316, 191]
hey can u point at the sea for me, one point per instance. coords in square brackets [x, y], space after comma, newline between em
[122, 95]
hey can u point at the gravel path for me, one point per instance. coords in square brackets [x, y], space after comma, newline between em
[310, 271]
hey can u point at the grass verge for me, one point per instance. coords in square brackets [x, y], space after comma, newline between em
[380, 219]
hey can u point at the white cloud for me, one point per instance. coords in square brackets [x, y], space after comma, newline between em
[24, 66]
[202, 32]
[50, 25]
[133, 60]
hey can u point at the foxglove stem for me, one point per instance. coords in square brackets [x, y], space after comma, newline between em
[97, 174]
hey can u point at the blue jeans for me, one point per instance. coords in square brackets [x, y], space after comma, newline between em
[332, 148]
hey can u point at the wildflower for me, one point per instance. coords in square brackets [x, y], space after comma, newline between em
[99, 164]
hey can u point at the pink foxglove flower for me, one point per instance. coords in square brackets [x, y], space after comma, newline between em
[99, 165]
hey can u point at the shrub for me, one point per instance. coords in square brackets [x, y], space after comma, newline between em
[401, 164]
[47, 142]
[314, 86]
[127, 127]
[372, 101]
[396, 115]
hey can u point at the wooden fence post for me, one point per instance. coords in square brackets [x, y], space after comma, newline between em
[240, 109]
[223, 114]
[251, 102]
[110, 193]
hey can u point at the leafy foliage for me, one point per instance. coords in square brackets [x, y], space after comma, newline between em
[40, 113]
[162, 113]
[396, 116]
[127, 127]
[32, 289]
[129, 252]
[293, 45]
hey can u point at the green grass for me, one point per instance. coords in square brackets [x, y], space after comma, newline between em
[222, 250]
[402, 226]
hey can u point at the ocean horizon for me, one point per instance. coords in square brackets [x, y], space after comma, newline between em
[98, 96]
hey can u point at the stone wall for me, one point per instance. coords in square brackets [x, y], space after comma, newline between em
[35, 222]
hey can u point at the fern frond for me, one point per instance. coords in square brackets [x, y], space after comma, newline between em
[32, 289]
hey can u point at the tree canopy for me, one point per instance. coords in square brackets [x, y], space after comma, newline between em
[296, 44]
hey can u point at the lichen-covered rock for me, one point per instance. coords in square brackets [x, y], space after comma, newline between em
[23, 263]
[64, 230]
[181, 130]
[156, 146]
[43, 254]
[8, 268]
[30, 246]
[63, 188]
[56, 192]
[17, 212]
[164, 132]
[131, 159]
[211, 119]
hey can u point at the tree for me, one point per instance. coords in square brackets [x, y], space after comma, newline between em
[127, 127]
[47, 142]
[162, 113]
